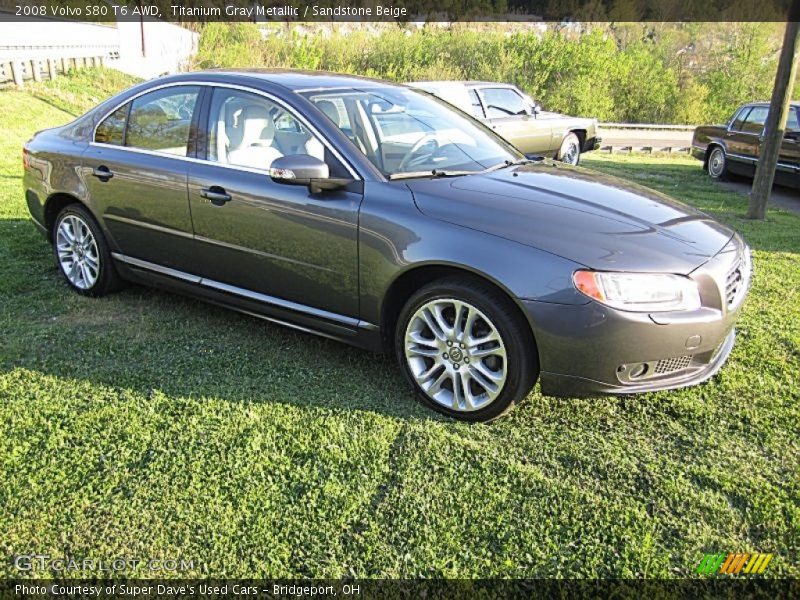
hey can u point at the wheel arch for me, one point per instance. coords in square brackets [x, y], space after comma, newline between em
[54, 204]
[581, 133]
[410, 280]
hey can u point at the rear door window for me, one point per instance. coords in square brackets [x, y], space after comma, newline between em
[112, 129]
[792, 122]
[160, 121]
[738, 119]
[754, 123]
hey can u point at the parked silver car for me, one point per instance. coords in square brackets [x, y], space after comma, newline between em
[516, 117]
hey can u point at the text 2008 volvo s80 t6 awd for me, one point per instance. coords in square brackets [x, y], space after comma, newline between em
[378, 215]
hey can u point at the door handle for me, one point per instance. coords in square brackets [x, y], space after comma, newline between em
[216, 194]
[103, 173]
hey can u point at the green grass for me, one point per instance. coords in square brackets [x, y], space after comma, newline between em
[149, 425]
[81, 89]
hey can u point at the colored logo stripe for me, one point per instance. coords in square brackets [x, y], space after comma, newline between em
[758, 565]
[734, 563]
[710, 563]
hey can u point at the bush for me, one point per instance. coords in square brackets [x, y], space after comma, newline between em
[679, 73]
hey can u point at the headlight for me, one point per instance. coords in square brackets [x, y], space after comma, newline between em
[639, 292]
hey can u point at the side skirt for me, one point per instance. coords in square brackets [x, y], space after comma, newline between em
[275, 310]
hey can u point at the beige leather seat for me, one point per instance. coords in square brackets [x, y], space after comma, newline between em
[330, 110]
[255, 149]
[313, 146]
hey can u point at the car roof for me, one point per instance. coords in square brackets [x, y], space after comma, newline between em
[298, 80]
[491, 83]
[794, 103]
[464, 83]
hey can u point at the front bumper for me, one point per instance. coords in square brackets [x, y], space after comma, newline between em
[592, 143]
[698, 152]
[592, 349]
[556, 384]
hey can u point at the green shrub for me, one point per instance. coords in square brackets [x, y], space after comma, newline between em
[666, 73]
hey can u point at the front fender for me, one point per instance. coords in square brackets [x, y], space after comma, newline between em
[395, 238]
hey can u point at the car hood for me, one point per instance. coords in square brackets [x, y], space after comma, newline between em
[546, 115]
[594, 219]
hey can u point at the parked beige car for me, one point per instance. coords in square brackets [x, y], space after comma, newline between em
[517, 118]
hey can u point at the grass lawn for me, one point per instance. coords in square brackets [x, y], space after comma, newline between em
[147, 425]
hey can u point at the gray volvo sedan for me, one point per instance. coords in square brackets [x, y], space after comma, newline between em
[380, 216]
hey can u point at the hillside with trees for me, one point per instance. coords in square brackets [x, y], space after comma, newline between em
[626, 72]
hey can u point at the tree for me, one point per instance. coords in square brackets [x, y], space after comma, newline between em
[774, 128]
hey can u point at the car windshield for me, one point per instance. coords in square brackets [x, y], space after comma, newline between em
[406, 133]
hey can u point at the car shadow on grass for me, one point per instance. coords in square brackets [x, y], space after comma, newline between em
[150, 341]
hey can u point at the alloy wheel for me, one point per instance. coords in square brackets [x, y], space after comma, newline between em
[77, 252]
[456, 354]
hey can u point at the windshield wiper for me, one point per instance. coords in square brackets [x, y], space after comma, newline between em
[446, 173]
[431, 173]
[511, 163]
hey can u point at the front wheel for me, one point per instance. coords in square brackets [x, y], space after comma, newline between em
[465, 350]
[570, 151]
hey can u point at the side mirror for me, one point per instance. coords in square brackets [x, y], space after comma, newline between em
[297, 169]
[303, 169]
[535, 107]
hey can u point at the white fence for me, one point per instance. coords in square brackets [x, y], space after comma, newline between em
[645, 137]
[653, 126]
[145, 49]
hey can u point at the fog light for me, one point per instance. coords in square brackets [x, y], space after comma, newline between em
[638, 370]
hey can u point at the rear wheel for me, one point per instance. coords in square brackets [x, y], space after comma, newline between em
[570, 151]
[82, 254]
[465, 350]
[718, 164]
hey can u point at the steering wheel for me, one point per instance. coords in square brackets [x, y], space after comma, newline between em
[410, 159]
[184, 112]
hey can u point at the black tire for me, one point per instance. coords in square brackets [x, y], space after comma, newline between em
[521, 363]
[570, 150]
[717, 165]
[107, 279]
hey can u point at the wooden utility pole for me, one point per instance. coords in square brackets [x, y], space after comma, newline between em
[774, 128]
[141, 27]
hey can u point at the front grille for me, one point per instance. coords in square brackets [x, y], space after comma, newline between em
[734, 282]
[738, 278]
[668, 365]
